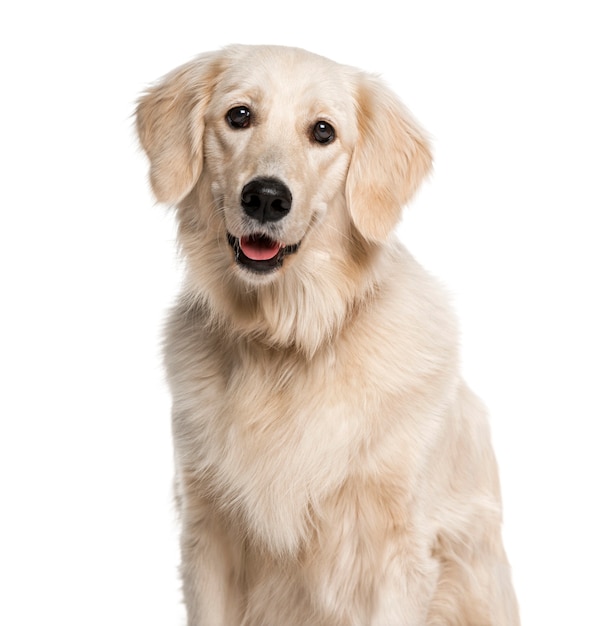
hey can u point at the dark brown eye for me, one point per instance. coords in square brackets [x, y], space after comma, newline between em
[238, 117]
[323, 132]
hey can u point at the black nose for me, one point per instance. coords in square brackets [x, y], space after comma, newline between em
[266, 199]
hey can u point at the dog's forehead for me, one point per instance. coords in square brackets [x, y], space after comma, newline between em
[287, 75]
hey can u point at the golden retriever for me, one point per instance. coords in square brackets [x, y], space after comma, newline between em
[333, 469]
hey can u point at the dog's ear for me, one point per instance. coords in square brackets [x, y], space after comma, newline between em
[388, 163]
[170, 124]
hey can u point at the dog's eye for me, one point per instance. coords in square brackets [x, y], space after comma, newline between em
[323, 132]
[238, 117]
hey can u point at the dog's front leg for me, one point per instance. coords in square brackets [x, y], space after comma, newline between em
[407, 586]
[210, 568]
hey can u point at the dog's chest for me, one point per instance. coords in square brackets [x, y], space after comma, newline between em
[272, 435]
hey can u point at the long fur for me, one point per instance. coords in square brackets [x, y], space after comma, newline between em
[332, 466]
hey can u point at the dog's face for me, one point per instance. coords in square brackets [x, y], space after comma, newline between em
[278, 138]
[263, 146]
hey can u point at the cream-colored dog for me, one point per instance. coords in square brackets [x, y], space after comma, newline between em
[332, 467]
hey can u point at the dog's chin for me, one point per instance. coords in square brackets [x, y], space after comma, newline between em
[259, 255]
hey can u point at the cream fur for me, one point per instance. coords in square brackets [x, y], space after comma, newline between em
[332, 467]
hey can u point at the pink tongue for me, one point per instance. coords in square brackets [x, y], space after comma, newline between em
[261, 249]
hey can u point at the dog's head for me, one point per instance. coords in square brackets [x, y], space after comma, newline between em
[273, 154]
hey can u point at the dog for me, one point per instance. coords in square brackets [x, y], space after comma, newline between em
[332, 467]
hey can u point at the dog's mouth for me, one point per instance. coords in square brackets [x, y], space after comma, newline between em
[260, 253]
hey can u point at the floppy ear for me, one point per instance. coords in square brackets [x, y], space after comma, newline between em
[389, 161]
[170, 123]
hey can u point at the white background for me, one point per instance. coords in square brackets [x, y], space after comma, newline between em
[510, 93]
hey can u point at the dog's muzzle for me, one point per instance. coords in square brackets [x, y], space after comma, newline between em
[265, 200]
